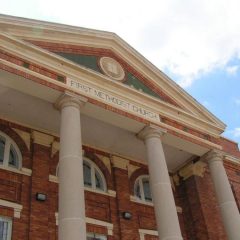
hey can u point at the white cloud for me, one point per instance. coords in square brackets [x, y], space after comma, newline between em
[232, 70]
[236, 132]
[237, 101]
[187, 38]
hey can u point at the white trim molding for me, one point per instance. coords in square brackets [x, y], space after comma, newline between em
[93, 221]
[42, 138]
[53, 178]
[143, 232]
[55, 148]
[137, 200]
[108, 225]
[23, 171]
[100, 39]
[232, 159]
[109, 193]
[16, 207]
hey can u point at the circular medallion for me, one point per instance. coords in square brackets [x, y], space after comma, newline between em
[112, 68]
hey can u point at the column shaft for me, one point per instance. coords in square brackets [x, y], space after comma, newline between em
[71, 186]
[163, 199]
[226, 201]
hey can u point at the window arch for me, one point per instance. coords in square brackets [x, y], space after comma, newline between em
[10, 155]
[142, 189]
[93, 177]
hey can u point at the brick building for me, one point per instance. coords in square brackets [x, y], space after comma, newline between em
[85, 122]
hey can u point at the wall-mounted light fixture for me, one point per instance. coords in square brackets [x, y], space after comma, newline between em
[127, 215]
[41, 197]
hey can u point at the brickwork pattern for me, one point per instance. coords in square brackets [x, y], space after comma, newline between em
[200, 217]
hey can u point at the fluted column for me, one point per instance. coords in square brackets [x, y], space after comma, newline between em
[226, 201]
[71, 186]
[163, 199]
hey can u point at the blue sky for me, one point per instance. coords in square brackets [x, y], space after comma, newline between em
[219, 92]
[197, 43]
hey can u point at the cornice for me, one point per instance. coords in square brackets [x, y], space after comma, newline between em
[63, 66]
[233, 159]
[86, 37]
[160, 124]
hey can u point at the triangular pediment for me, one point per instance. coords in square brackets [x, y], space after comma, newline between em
[85, 47]
[130, 79]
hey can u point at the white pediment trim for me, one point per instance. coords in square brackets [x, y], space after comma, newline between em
[37, 55]
[53, 32]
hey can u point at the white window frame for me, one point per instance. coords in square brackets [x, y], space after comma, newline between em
[7, 147]
[95, 168]
[142, 194]
[9, 221]
[96, 235]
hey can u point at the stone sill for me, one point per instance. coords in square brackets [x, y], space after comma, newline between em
[23, 171]
[93, 221]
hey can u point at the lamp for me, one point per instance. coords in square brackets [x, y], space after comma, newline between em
[41, 197]
[127, 215]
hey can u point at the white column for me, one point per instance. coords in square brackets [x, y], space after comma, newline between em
[226, 201]
[72, 223]
[163, 199]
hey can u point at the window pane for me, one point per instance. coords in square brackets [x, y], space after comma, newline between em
[99, 181]
[137, 190]
[92, 236]
[87, 175]
[13, 158]
[4, 225]
[2, 145]
[146, 189]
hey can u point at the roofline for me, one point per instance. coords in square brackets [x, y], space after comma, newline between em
[25, 22]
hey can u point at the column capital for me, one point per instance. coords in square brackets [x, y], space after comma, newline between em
[150, 131]
[214, 155]
[70, 99]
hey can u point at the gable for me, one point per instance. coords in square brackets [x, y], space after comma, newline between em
[85, 47]
[89, 58]
[92, 63]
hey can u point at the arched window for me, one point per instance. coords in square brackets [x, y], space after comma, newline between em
[10, 155]
[142, 189]
[93, 177]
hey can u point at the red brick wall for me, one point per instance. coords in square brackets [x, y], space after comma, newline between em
[200, 218]
[39, 215]
[200, 210]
